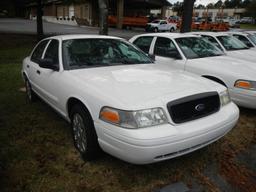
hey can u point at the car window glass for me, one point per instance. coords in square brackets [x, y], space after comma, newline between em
[52, 52]
[85, 53]
[212, 40]
[231, 43]
[253, 38]
[165, 47]
[37, 54]
[244, 40]
[143, 43]
[197, 47]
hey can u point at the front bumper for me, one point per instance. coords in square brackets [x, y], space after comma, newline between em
[154, 144]
[243, 97]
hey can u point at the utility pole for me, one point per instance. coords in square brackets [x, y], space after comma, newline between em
[187, 16]
[103, 17]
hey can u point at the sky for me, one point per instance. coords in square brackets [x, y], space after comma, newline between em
[204, 2]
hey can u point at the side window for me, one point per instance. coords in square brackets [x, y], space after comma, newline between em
[244, 40]
[163, 22]
[52, 52]
[143, 43]
[212, 40]
[165, 47]
[37, 54]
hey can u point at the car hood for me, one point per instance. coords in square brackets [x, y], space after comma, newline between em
[227, 65]
[153, 24]
[248, 55]
[140, 85]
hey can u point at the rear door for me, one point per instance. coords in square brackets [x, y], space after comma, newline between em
[34, 68]
[144, 43]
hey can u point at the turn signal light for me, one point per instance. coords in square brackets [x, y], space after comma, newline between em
[110, 115]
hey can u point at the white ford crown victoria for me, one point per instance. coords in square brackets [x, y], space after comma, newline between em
[230, 45]
[194, 54]
[116, 99]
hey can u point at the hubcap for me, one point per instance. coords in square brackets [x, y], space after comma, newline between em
[28, 90]
[79, 133]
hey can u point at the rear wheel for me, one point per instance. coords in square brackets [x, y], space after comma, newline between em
[155, 29]
[29, 92]
[172, 29]
[84, 134]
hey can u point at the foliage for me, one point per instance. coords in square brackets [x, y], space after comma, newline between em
[251, 9]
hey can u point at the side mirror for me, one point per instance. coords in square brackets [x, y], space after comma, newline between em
[152, 56]
[48, 64]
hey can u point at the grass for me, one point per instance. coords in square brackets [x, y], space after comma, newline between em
[37, 152]
[248, 26]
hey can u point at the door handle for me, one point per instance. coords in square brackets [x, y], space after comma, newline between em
[38, 72]
[27, 66]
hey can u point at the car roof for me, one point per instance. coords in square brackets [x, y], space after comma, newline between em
[215, 34]
[170, 35]
[82, 36]
[237, 33]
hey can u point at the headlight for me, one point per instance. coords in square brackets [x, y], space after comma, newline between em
[244, 84]
[224, 98]
[133, 119]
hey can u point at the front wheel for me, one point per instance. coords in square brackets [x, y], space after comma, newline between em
[172, 29]
[84, 134]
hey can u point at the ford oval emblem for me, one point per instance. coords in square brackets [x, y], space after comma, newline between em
[200, 107]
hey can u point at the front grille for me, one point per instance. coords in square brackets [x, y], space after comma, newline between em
[194, 107]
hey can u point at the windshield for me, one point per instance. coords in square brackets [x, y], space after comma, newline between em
[82, 53]
[231, 43]
[252, 37]
[155, 21]
[197, 47]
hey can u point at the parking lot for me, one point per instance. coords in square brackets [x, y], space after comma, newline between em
[37, 152]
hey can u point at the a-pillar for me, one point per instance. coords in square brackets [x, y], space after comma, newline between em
[163, 12]
[120, 13]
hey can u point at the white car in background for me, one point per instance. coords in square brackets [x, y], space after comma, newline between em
[247, 38]
[161, 25]
[194, 54]
[230, 45]
[118, 100]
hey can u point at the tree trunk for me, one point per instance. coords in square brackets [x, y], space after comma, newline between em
[187, 16]
[40, 33]
[103, 17]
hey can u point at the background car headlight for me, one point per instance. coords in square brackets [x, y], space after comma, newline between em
[245, 84]
[224, 98]
[133, 119]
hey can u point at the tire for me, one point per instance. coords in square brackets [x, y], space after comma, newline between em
[155, 29]
[84, 134]
[31, 96]
[172, 29]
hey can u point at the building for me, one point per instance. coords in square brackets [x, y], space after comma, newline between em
[86, 13]
[221, 13]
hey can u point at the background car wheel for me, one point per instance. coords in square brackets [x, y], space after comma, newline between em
[172, 29]
[156, 29]
[30, 93]
[84, 134]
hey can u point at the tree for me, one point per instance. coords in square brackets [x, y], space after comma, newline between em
[218, 4]
[103, 17]
[200, 6]
[187, 16]
[178, 7]
[210, 6]
[250, 10]
[39, 20]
